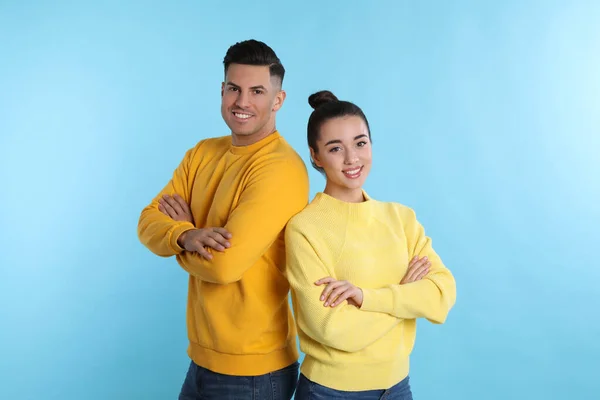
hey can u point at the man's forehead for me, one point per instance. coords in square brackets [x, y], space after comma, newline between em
[249, 75]
[242, 70]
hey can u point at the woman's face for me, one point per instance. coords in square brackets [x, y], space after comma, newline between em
[344, 152]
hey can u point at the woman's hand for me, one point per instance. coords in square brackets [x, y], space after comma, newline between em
[417, 269]
[337, 291]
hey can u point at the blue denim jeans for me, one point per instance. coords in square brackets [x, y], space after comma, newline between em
[308, 390]
[203, 384]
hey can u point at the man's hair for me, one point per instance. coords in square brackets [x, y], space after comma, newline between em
[253, 52]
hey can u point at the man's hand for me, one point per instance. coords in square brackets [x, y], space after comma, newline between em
[337, 291]
[175, 207]
[197, 239]
[417, 269]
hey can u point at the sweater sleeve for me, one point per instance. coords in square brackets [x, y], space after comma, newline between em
[157, 231]
[276, 191]
[432, 297]
[344, 327]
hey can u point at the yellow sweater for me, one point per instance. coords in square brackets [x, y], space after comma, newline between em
[368, 244]
[238, 318]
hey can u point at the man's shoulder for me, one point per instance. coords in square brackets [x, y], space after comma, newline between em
[223, 142]
[210, 145]
[279, 154]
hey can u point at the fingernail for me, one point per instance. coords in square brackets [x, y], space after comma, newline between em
[322, 298]
[326, 304]
[425, 258]
[227, 244]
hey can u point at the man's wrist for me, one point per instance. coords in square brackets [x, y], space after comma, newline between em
[181, 239]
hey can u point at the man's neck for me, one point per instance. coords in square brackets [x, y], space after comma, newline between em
[247, 140]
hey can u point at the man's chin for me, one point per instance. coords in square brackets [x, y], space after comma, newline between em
[242, 133]
[240, 130]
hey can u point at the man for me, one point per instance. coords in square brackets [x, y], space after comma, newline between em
[223, 215]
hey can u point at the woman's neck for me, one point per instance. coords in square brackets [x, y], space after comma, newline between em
[344, 194]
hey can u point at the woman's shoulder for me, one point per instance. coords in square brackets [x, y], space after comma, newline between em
[305, 219]
[395, 209]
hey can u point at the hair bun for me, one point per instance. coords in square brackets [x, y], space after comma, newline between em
[316, 100]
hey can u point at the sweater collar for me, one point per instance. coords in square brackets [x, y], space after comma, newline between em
[239, 150]
[326, 200]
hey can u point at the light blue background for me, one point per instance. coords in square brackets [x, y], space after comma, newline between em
[485, 117]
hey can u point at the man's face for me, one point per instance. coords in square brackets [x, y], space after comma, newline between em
[250, 98]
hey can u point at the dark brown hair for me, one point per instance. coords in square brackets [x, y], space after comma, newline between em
[253, 52]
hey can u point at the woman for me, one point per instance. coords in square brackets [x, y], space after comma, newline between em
[361, 271]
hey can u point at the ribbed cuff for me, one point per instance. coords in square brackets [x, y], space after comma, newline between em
[176, 232]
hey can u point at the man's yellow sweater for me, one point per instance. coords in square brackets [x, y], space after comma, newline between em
[238, 318]
[368, 244]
